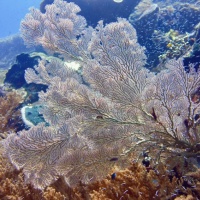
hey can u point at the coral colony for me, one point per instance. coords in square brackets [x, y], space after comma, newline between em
[108, 112]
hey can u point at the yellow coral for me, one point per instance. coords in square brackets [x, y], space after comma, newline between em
[169, 45]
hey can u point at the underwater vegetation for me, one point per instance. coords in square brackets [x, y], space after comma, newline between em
[116, 130]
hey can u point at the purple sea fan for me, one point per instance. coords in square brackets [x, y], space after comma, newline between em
[114, 108]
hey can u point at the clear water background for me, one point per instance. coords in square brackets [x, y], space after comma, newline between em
[12, 11]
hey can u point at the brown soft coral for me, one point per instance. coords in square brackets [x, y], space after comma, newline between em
[131, 184]
[12, 186]
[9, 114]
[12, 183]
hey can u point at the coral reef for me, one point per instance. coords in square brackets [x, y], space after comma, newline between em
[115, 107]
[104, 116]
[159, 19]
[177, 45]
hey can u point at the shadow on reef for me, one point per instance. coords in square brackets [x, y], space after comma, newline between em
[15, 77]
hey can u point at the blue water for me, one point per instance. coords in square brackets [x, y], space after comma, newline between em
[11, 13]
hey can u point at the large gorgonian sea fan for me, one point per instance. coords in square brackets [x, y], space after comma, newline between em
[114, 108]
